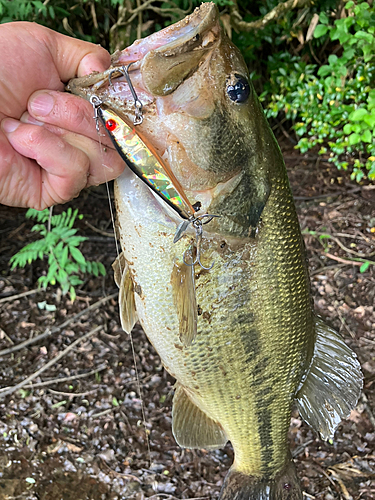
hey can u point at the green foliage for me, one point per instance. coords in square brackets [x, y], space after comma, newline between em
[334, 104]
[112, 23]
[85, 19]
[59, 244]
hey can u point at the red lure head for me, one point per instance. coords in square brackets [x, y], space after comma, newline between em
[111, 125]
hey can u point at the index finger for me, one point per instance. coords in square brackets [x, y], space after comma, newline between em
[66, 111]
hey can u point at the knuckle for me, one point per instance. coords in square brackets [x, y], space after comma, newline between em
[36, 138]
[75, 114]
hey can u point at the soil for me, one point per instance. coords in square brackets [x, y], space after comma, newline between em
[87, 430]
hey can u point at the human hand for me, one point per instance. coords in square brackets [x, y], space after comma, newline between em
[49, 153]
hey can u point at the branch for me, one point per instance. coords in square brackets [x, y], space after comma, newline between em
[275, 13]
[50, 363]
[55, 329]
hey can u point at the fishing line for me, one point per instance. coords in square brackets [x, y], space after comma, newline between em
[139, 387]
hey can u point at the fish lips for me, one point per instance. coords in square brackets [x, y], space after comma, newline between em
[166, 58]
[159, 62]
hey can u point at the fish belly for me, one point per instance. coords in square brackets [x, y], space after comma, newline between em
[254, 323]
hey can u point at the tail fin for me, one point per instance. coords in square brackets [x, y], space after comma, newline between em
[284, 486]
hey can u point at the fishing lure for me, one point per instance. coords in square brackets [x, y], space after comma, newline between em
[144, 161]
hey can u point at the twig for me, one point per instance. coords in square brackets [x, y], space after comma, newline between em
[368, 409]
[300, 448]
[6, 336]
[326, 268]
[328, 195]
[344, 489]
[15, 231]
[276, 12]
[121, 474]
[344, 261]
[104, 412]
[19, 295]
[140, 22]
[58, 380]
[71, 394]
[357, 254]
[104, 233]
[343, 322]
[50, 363]
[49, 332]
[317, 465]
[93, 15]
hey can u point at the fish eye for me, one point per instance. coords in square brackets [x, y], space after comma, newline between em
[238, 88]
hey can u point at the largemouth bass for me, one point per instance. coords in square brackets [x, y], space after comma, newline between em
[241, 339]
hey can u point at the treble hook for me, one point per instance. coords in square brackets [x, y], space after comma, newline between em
[124, 70]
[197, 223]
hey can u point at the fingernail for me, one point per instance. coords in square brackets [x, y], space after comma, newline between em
[27, 118]
[42, 104]
[9, 125]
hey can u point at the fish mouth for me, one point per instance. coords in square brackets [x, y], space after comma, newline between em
[168, 57]
[159, 62]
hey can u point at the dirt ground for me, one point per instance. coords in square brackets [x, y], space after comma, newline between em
[77, 432]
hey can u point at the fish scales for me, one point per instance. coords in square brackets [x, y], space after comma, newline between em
[256, 358]
[241, 338]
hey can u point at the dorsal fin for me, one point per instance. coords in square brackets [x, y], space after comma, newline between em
[333, 383]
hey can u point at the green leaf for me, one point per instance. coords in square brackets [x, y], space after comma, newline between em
[320, 30]
[72, 293]
[366, 136]
[369, 120]
[95, 270]
[77, 255]
[354, 139]
[323, 18]
[363, 35]
[102, 269]
[358, 114]
[332, 59]
[364, 266]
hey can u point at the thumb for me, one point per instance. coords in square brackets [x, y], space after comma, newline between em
[73, 57]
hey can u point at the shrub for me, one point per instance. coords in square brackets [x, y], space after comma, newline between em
[59, 243]
[334, 104]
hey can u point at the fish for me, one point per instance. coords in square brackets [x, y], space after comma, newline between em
[241, 338]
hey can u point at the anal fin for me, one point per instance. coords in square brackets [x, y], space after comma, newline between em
[183, 285]
[333, 383]
[128, 313]
[191, 427]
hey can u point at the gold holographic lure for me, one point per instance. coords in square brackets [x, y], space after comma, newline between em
[144, 161]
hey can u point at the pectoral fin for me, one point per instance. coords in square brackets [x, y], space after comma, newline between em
[128, 313]
[333, 383]
[118, 267]
[191, 427]
[183, 285]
